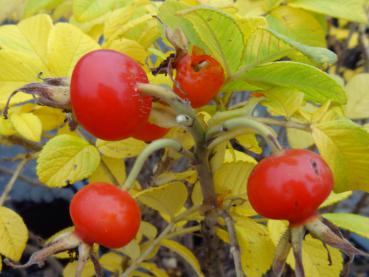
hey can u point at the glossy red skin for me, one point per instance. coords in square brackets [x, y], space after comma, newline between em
[104, 214]
[149, 132]
[104, 97]
[199, 86]
[290, 186]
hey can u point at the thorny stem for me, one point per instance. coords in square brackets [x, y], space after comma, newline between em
[157, 240]
[248, 124]
[235, 249]
[151, 148]
[12, 180]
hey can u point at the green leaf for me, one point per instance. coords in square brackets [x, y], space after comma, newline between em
[220, 33]
[358, 97]
[317, 85]
[352, 10]
[344, 145]
[297, 25]
[354, 223]
[185, 253]
[66, 159]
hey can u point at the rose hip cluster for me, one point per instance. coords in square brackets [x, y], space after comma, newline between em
[107, 103]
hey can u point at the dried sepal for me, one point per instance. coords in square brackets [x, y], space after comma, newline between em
[297, 236]
[61, 243]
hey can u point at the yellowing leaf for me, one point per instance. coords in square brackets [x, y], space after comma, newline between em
[130, 48]
[50, 118]
[352, 10]
[344, 145]
[134, 22]
[335, 197]
[358, 97]
[354, 223]
[158, 272]
[232, 155]
[257, 249]
[115, 166]
[317, 86]
[87, 10]
[66, 45]
[37, 6]
[283, 101]
[66, 159]
[27, 125]
[167, 199]
[185, 253]
[120, 149]
[299, 138]
[13, 234]
[298, 25]
[70, 269]
[112, 262]
[148, 230]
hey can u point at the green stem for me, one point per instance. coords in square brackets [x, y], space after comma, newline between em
[151, 148]
[10, 184]
[247, 124]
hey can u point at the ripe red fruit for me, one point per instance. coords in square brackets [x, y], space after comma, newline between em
[290, 186]
[104, 97]
[105, 214]
[200, 77]
[149, 132]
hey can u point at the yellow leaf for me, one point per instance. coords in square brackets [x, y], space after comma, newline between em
[158, 272]
[299, 138]
[167, 199]
[196, 195]
[116, 166]
[148, 230]
[232, 155]
[189, 176]
[132, 250]
[257, 249]
[13, 234]
[70, 269]
[335, 197]
[27, 125]
[6, 127]
[139, 274]
[354, 223]
[231, 178]
[344, 146]
[66, 159]
[276, 229]
[358, 97]
[130, 48]
[120, 149]
[112, 262]
[1, 264]
[250, 142]
[185, 253]
[217, 156]
[50, 118]
[66, 45]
